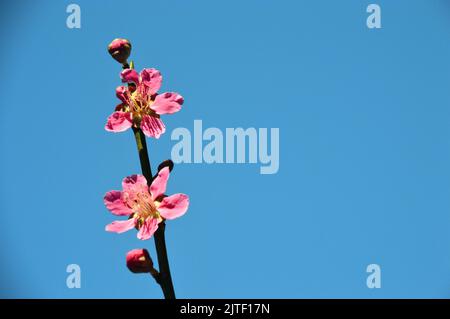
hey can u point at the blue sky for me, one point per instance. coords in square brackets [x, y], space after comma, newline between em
[364, 147]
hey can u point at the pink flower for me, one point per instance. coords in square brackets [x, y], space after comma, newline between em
[141, 105]
[145, 206]
[139, 261]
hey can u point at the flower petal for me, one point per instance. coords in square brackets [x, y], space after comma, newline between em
[113, 201]
[152, 126]
[129, 75]
[174, 206]
[159, 184]
[167, 103]
[148, 229]
[134, 183]
[121, 93]
[152, 79]
[118, 122]
[120, 226]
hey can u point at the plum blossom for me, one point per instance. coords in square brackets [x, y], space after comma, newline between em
[145, 206]
[141, 105]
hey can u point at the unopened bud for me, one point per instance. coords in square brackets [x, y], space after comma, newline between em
[139, 261]
[120, 50]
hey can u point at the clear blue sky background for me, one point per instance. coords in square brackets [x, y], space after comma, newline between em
[364, 147]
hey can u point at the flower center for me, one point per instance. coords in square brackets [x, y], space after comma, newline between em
[139, 104]
[143, 207]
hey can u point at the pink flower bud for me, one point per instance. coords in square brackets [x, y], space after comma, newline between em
[139, 261]
[120, 50]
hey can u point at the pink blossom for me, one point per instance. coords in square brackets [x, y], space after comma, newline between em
[139, 261]
[141, 105]
[145, 206]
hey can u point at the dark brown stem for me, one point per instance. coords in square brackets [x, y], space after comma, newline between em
[163, 262]
[143, 154]
[164, 278]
